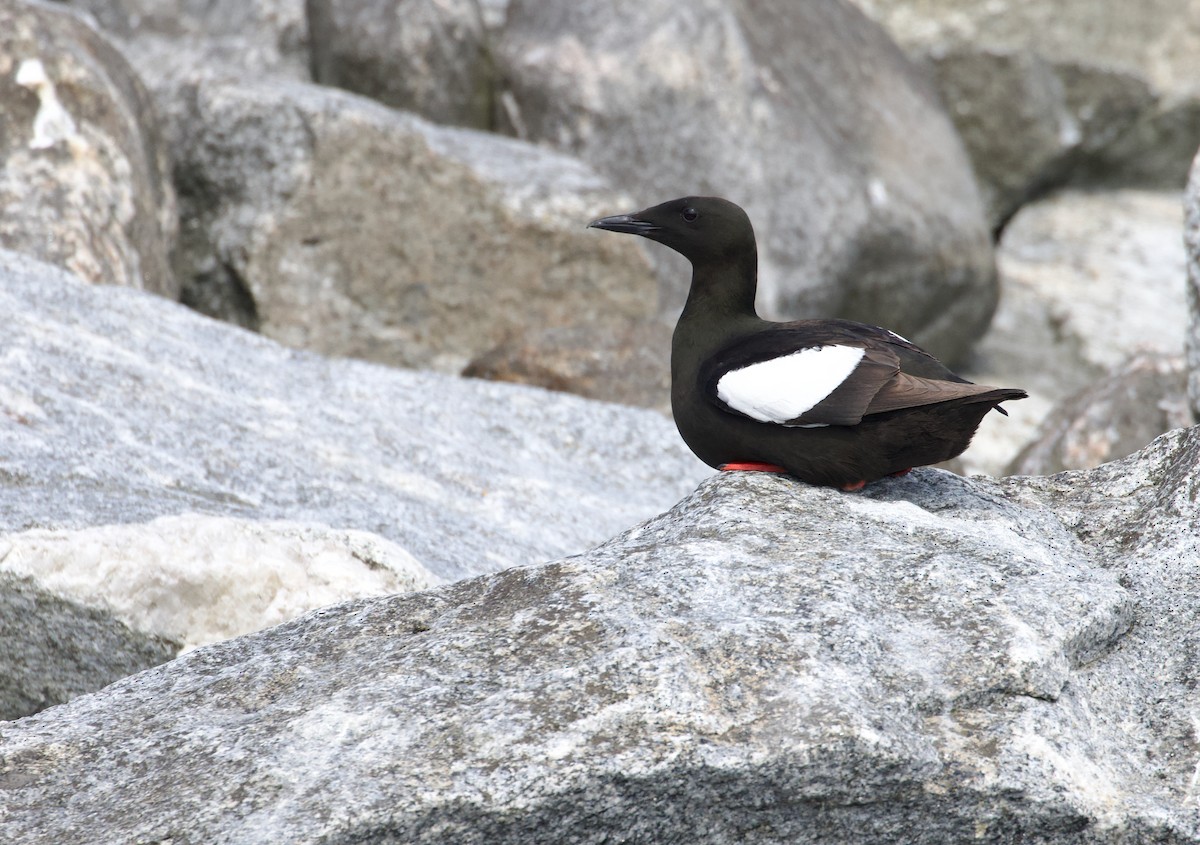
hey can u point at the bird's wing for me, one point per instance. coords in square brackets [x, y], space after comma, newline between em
[798, 376]
[824, 373]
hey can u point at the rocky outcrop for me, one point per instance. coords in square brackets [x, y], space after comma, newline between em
[805, 114]
[938, 660]
[176, 479]
[361, 231]
[1073, 92]
[84, 174]
[1113, 417]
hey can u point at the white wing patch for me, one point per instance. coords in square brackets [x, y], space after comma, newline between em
[781, 389]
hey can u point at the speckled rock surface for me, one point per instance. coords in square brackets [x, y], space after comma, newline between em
[938, 660]
[85, 179]
[357, 230]
[118, 407]
[1113, 417]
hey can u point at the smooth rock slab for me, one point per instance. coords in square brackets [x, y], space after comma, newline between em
[768, 662]
[117, 407]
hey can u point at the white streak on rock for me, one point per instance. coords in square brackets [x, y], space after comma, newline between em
[53, 123]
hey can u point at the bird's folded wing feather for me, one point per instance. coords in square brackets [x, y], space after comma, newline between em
[792, 378]
[769, 378]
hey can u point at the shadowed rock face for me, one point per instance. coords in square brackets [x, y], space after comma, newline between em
[937, 660]
[52, 649]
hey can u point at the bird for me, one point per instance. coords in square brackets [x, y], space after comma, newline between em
[832, 402]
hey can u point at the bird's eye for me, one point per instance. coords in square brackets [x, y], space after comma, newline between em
[690, 214]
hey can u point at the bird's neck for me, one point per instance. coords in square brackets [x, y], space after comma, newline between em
[723, 290]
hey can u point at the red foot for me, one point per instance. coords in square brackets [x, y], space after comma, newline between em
[750, 466]
[854, 485]
[899, 473]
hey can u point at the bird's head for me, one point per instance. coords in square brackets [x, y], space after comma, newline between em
[704, 229]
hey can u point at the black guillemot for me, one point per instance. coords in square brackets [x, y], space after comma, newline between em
[831, 402]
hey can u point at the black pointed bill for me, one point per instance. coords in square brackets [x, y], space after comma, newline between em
[626, 223]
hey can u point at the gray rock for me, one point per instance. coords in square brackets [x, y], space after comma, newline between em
[1191, 235]
[118, 408]
[939, 660]
[806, 114]
[1077, 91]
[53, 649]
[1090, 280]
[195, 579]
[84, 174]
[1111, 418]
[630, 364]
[167, 39]
[358, 230]
[427, 56]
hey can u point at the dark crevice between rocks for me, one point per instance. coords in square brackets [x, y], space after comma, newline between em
[221, 293]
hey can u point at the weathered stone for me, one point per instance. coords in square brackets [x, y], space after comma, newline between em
[167, 39]
[939, 660]
[630, 365]
[53, 649]
[1111, 418]
[196, 579]
[117, 407]
[806, 114]
[1090, 280]
[1191, 235]
[427, 56]
[84, 174]
[1078, 91]
[361, 231]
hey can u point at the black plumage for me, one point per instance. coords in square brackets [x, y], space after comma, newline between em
[831, 402]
